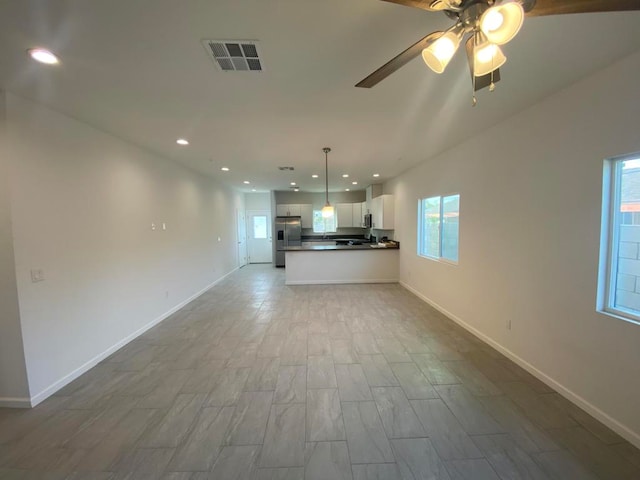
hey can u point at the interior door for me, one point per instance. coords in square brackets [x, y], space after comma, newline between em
[259, 236]
[242, 239]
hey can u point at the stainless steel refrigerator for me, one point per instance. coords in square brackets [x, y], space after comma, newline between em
[288, 234]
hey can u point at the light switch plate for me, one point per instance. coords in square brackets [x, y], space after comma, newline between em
[37, 275]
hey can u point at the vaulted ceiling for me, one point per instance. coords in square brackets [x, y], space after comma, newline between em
[138, 70]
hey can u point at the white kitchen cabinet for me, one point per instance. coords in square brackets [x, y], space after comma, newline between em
[344, 212]
[305, 211]
[358, 219]
[382, 211]
[294, 210]
[282, 210]
[288, 210]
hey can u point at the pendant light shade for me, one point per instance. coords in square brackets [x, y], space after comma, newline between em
[327, 210]
[439, 53]
[487, 56]
[501, 23]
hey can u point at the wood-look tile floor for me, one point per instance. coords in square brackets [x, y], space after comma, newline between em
[257, 380]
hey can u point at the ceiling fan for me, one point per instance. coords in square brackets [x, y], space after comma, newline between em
[487, 24]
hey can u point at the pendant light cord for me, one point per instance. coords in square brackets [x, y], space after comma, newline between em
[326, 151]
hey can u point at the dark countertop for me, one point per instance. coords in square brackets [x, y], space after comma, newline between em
[328, 238]
[338, 247]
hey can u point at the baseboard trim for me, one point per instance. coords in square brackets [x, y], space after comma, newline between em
[340, 282]
[612, 423]
[15, 402]
[54, 387]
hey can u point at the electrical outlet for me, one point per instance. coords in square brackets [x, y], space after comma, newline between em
[219, 239]
[166, 294]
[153, 226]
[509, 324]
[164, 226]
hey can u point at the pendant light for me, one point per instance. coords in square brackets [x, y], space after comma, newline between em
[327, 210]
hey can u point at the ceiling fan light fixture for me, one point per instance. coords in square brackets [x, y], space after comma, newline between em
[488, 57]
[501, 23]
[438, 55]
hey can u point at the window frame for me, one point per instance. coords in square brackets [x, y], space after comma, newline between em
[610, 240]
[421, 238]
[324, 222]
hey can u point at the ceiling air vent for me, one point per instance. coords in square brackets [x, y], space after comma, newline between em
[285, 168]
[234, 55]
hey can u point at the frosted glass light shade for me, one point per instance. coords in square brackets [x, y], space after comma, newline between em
[439, 53]
[487, 58]
[327, 211]
[501, 23]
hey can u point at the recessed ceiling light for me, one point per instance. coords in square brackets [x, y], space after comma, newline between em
[253, 189]
[293, 183]
[314, 176]
[43, 55]
[225, 169]
[296, 189]
[354, 183]
[347, 189]
[246, 182]
[346, 175]
[182, 141]
[376, 175]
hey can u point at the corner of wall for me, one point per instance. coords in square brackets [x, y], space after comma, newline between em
[14, 385]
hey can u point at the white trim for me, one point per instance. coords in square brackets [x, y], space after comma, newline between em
[54, 387]
[340, 282]
[613, 424]
[15, 402]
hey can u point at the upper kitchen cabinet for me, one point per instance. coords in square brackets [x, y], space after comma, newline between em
[350, 215]
[344, 212]
[382, 212]
[358, 215]
[284, 210]
[305, 211]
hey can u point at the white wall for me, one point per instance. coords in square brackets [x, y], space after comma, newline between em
[82, 205]
[14, 388]
[257, 201]
[318, 199]
[529, 239]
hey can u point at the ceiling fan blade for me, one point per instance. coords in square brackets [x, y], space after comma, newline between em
[558, 7]
[398, 61]
[422, 4]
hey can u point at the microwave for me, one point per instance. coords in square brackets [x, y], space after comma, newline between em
[368, 220]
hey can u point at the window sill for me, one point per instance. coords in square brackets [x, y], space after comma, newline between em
[439, 260]
[620, 316]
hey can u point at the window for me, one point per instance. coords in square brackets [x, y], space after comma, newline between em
[619, 285]
[438, 219]
[324, 225]
[259, 226]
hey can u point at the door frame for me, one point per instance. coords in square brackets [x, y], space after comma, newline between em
[260, 212]
[241, 223]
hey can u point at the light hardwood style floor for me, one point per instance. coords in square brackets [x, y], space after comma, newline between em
[256, 380]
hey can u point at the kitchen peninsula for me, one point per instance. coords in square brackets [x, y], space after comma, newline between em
[333, 264]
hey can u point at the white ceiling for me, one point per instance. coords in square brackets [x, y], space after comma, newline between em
[137, 69]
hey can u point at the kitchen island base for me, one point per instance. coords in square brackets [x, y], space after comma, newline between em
[317, 267]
